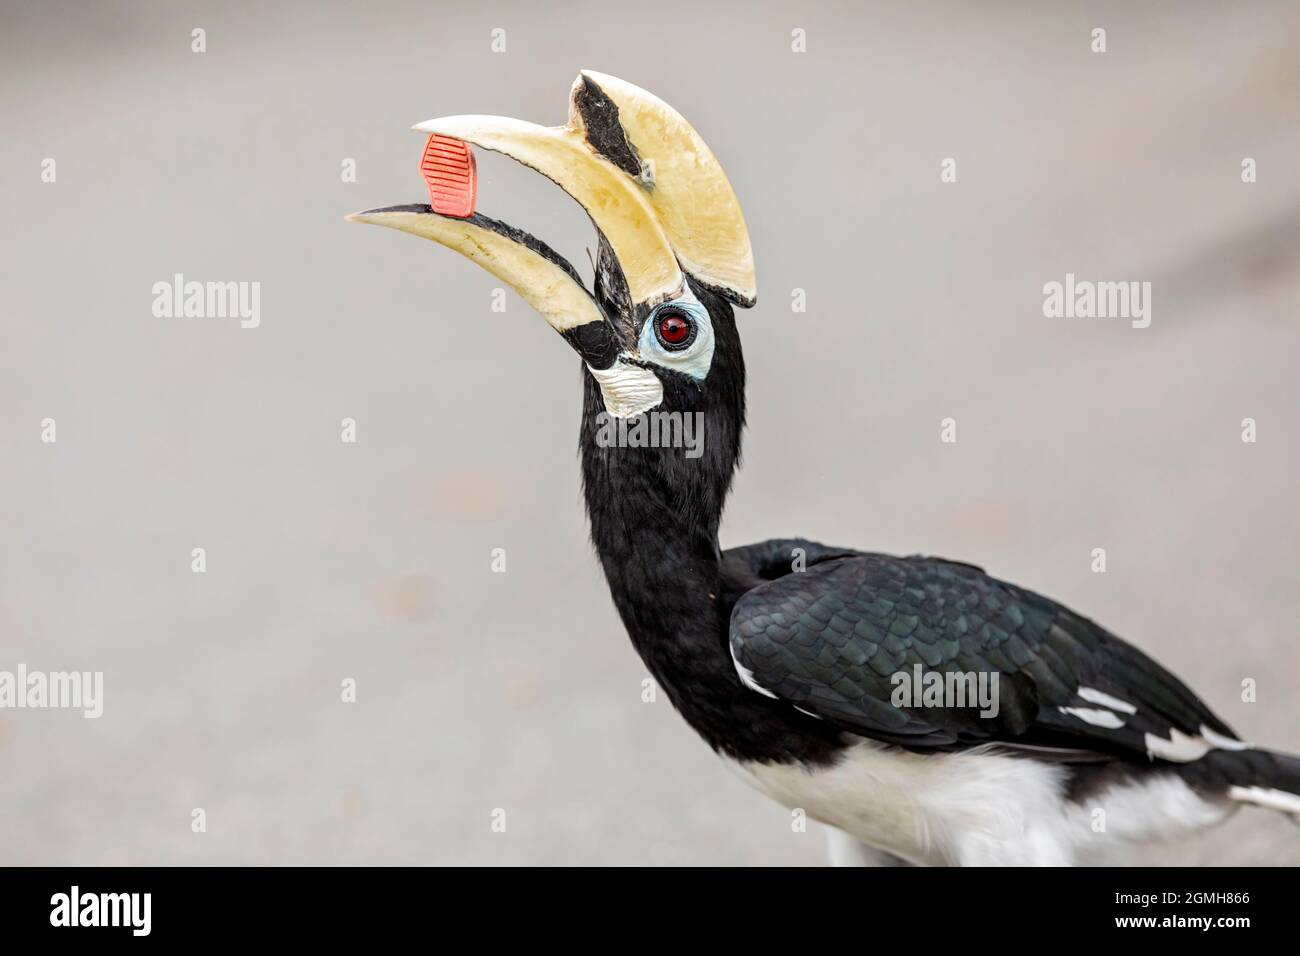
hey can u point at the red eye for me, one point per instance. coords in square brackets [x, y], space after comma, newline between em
[675, 330]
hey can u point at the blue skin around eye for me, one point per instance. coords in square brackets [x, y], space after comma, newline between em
[693, 361]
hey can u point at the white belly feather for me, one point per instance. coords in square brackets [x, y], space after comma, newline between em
[978, 808]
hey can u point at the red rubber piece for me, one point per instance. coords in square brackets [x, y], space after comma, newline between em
[452, 176]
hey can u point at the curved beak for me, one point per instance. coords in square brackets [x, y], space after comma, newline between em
[652, 188]
[542, 277]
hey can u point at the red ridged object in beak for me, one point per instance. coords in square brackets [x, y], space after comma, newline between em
[449, 170]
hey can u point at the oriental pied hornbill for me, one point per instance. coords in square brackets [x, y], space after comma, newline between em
[785, 656]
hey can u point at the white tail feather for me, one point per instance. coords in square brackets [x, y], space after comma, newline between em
[1265, 797]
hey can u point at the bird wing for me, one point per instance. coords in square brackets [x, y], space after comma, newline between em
[831, 640]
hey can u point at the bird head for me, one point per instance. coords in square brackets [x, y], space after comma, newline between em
[673, 252]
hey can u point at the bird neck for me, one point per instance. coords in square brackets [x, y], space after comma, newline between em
[654, 522]
[654, 515]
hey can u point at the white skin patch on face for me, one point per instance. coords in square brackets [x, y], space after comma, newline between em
[628, 389]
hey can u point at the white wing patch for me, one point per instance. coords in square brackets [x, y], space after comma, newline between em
[1109, 718]
[1220, 742]
[1114, 703]
[1098, 718]
[1178, 746]
[1183, 749]
[747, 676]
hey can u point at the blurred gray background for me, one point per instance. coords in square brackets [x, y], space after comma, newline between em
[371, 561]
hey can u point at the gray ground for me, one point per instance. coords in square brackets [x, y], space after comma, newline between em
[371, 561]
